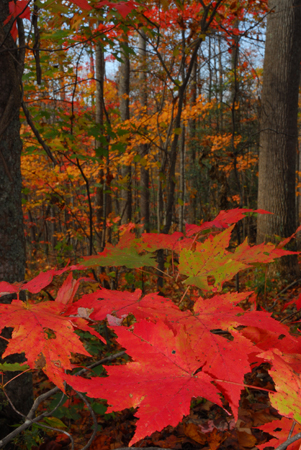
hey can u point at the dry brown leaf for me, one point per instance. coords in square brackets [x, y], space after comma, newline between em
[246, 439]
[193, 432]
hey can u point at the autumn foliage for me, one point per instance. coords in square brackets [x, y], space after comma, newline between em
[191, 144]
[178, 352]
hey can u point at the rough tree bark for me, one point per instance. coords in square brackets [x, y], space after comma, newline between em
[12, 243]
[279, 134]
[192, 149]
[124, 92]
[144, 173]
[100, 200]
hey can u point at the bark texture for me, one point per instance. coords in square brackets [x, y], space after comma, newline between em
[144, 173]
[124, 92]
[192, 149]
[12, 243]
[100, 200]
[279, 108]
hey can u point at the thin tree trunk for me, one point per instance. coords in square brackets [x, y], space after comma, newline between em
[182, 180]
[124, 92]
[192, 148]
[220, 70]
[171, 182]
[144, 172]
[99, 200]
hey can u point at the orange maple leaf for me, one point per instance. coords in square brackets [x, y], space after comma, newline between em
[46, 337]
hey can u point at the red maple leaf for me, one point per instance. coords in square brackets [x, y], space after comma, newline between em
[42, 331]
[280, 429]
[38, 283]
[223, 220]
[46, 337]
[225, 359]
[161, 381]
[83, 4]
[234, 215]
[124, 8]
[153, 241]
[105, 301]
[18, 9]
[34, 286]
[215, 353]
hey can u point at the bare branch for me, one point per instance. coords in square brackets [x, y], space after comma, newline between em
[30, 416]
[93, 417]
[37, 134]
[288, 442]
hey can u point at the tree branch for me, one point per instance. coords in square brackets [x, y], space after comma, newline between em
[37, 134]
[30, 416]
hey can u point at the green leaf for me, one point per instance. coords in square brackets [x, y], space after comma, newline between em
[117, 257]
[120, 132]
[80, 157]
[15, 367]
[101, 151]
[56, 7]
[119, 146]
[32, 149]
[54, 422]
[99, 408]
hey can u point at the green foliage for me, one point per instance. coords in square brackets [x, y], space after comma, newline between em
[70, 412]
[30, 438]
[15, 367]
[260, 282]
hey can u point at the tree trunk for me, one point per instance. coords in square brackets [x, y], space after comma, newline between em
[182, 180]
[192, 150]
[12, 242]
[124, 92]
[279, 134]
[144, 173]
[100, 200]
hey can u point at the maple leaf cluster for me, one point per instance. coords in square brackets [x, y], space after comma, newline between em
[175, 355]
[21, 9]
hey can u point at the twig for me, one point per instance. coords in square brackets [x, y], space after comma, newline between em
[288, 442]
[30, 416]
[37, 134]
[28, 422]
[12, 405]
[291, 430]
[93, 417]
[60, 431]
[186, 290]
[289, 286]
[282, 292]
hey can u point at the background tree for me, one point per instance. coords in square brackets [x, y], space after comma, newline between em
[124, 93]
[100, 202]
[12, 243]
[144, 172]
[279, 110]
[56, 202]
